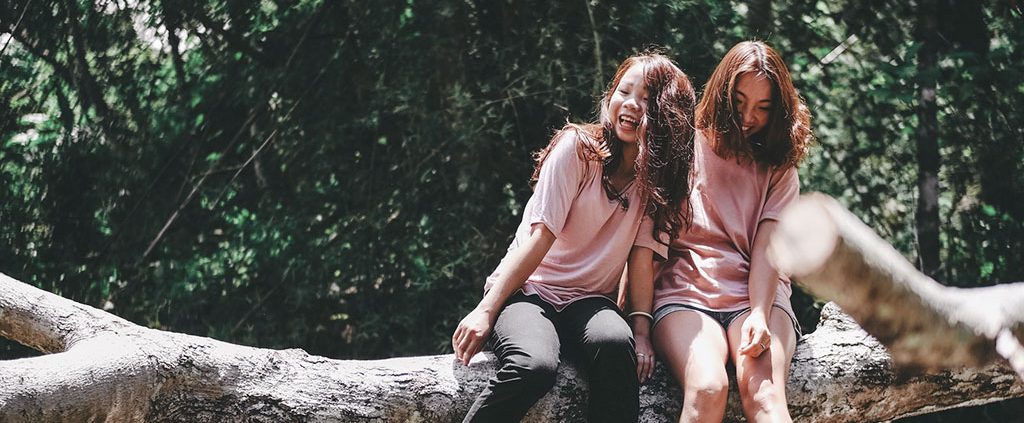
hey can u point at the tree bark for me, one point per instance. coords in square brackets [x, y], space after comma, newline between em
[927, 141]
[103, 368]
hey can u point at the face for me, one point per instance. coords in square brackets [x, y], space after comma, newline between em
[753, 102]
[628, 104]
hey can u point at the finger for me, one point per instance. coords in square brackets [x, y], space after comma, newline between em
[751, 349]
[455, 342]
[645, 370]
[464, 345]
[639, 356]
[756, 349]
[650, 369]
[475, 346]
[763, 341]
[459, 333]
[462, 341]
[644, 365]
[745, 349]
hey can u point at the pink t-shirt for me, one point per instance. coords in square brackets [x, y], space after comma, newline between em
[709, 264]
[593, 233]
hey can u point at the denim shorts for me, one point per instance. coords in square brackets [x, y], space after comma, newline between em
[724, 318]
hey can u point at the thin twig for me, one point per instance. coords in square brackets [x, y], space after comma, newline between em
[195, 189]
[15, 28]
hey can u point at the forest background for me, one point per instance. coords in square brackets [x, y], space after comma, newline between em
[341, 176]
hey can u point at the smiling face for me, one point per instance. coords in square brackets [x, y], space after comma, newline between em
[628, 104]
[752, 102]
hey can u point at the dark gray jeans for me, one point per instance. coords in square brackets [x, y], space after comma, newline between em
[528, 337]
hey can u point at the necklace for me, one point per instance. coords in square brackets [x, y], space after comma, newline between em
[616, 195]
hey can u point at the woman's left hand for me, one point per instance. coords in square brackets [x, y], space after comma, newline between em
[756, 338]
[644, 358]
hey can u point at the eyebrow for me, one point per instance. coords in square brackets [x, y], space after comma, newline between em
[766, 100]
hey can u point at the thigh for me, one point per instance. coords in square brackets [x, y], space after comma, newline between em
[693, 345]
[525, 327]
[594, 322]
[773, 364]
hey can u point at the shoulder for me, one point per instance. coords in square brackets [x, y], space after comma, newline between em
[784, 176]
[582, 142]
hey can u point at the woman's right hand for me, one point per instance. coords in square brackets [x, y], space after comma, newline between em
[471, 335]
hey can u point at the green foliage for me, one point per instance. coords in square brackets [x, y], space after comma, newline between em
[342, 176]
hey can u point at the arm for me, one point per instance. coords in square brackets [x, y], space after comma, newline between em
[640, 286]
[762, 284]
[474, 329]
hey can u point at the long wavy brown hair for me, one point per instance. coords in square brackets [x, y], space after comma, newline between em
[665, 141]
[785, 139]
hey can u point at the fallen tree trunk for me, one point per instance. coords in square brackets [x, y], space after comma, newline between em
[103, 368]
[106, 369]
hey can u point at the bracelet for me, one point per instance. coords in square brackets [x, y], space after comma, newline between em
[640, 313]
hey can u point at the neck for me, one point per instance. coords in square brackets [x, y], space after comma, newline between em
[629, 152]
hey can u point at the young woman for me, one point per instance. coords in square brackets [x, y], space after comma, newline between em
[718, 298]
[552, 293]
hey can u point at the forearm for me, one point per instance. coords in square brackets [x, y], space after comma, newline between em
[517, 267]
[764, 277]
[640, 288]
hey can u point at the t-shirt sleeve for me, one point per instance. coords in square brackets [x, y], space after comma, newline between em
[644, 238]
[558, 184]
[783, 190]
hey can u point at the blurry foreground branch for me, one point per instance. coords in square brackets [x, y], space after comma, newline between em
[924, 324]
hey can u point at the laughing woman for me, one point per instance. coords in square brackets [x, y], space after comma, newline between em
[602, 192]
[718, 298]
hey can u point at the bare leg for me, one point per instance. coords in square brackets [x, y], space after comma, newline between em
[762, 380]
[694, 347]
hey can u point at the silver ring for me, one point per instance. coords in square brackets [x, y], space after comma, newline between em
[640, 355]
[763, 346]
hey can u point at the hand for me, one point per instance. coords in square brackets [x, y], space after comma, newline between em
[644, 358]
[471, 335]
[755, 336]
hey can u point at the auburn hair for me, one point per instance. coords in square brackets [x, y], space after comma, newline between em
[664, 140]
[787, 136]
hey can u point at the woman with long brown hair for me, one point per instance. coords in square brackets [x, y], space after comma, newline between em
[603, 192]
[718, 298]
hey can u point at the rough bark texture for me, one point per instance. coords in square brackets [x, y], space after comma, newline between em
[103, 368]
[111, 370]
[922, 323]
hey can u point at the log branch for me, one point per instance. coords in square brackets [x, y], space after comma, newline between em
[105, 368]
[924, 324]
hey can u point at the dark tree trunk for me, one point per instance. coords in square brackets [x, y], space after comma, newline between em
[759, 18]
[927, 143]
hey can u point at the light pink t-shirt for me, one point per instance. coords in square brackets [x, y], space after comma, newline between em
[593, 233]
[709, 264]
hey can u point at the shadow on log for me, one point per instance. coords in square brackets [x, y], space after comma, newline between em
[104, 368]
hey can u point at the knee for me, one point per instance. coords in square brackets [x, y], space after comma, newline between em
[611, 343]
[534, 370]
[708, 392]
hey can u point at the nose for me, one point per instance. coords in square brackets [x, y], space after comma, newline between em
[631, 104]
[747, 116]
